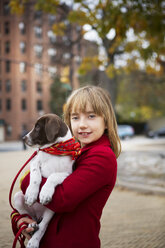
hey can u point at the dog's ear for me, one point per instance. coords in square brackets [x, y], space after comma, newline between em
[52, 127]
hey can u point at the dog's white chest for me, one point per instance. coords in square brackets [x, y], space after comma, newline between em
[49, 164]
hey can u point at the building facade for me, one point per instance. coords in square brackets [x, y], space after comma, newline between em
[30, 56]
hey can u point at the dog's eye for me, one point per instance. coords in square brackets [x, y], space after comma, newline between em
[37, 127]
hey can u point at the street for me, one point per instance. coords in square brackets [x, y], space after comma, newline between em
[142, 143]
[141, 165]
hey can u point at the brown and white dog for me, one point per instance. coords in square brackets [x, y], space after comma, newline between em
[49, 129]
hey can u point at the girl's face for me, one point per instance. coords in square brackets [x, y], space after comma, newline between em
[87, 127]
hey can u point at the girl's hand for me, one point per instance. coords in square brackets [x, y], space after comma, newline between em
[26, 231]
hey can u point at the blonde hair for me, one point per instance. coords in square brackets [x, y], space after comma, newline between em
[102, 106]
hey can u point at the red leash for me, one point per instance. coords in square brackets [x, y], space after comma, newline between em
[15, 216]
[13, 183]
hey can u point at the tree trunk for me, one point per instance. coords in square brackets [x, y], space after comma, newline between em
[110, 84]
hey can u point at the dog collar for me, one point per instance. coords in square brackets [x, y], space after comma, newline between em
[69, 147]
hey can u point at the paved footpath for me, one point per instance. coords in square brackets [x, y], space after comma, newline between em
[130, 219]
[133, 220]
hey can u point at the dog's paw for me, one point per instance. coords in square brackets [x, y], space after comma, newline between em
[46, 195]
[34, 226]
[33, 243]
[30, 196]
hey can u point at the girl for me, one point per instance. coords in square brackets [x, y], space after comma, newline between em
[78, 202]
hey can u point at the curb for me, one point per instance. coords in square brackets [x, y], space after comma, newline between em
[142, 188]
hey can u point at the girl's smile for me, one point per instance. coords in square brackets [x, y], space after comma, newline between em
[84, 134]
[87, 127]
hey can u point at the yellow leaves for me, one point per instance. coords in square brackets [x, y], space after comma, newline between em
[17, 7]
[65, 75]
[131, 66]
[59, 28]
[83, 32]
[133, 19]
[111, 71]
[88, 64]
[139, 114]
[157, 70]
[119, 24]
[130, 46]
[114, 46]
[79, 17]
[48, 6]
[146, 112]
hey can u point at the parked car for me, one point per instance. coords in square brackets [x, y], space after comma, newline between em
[125, 131]
[157, 133]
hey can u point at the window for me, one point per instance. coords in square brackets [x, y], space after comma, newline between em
[51, 19]
[66, 56]
[8, 104]
[22, 28]
[52, 53]
[8, 85]
[0, 105]
[7, 47]
[22, 67]
[23, 85]
[38, 14]
[7, 66]
[24, 130]
[51, 36]
[8, 130]
[39, 87]
[38, 31]
[38, 50]
[22, 46]
[6, 27]
[39, 105]
[6, 8]
[38, 69]
[66, 40]
[23, 104]
[52, 71]
[78, 59]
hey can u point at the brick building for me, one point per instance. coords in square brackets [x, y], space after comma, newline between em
[30, 55]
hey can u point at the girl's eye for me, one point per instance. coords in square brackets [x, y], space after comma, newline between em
[74, 118]
[91, 116]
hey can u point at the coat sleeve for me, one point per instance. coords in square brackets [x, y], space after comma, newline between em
[95, 170]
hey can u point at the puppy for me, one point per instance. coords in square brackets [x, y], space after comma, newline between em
[48, 130]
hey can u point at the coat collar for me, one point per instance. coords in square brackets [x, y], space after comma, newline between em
[103, 141]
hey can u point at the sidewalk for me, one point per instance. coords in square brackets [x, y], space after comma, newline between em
[133, 220]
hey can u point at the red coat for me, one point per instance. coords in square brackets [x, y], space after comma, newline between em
[78, 202]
